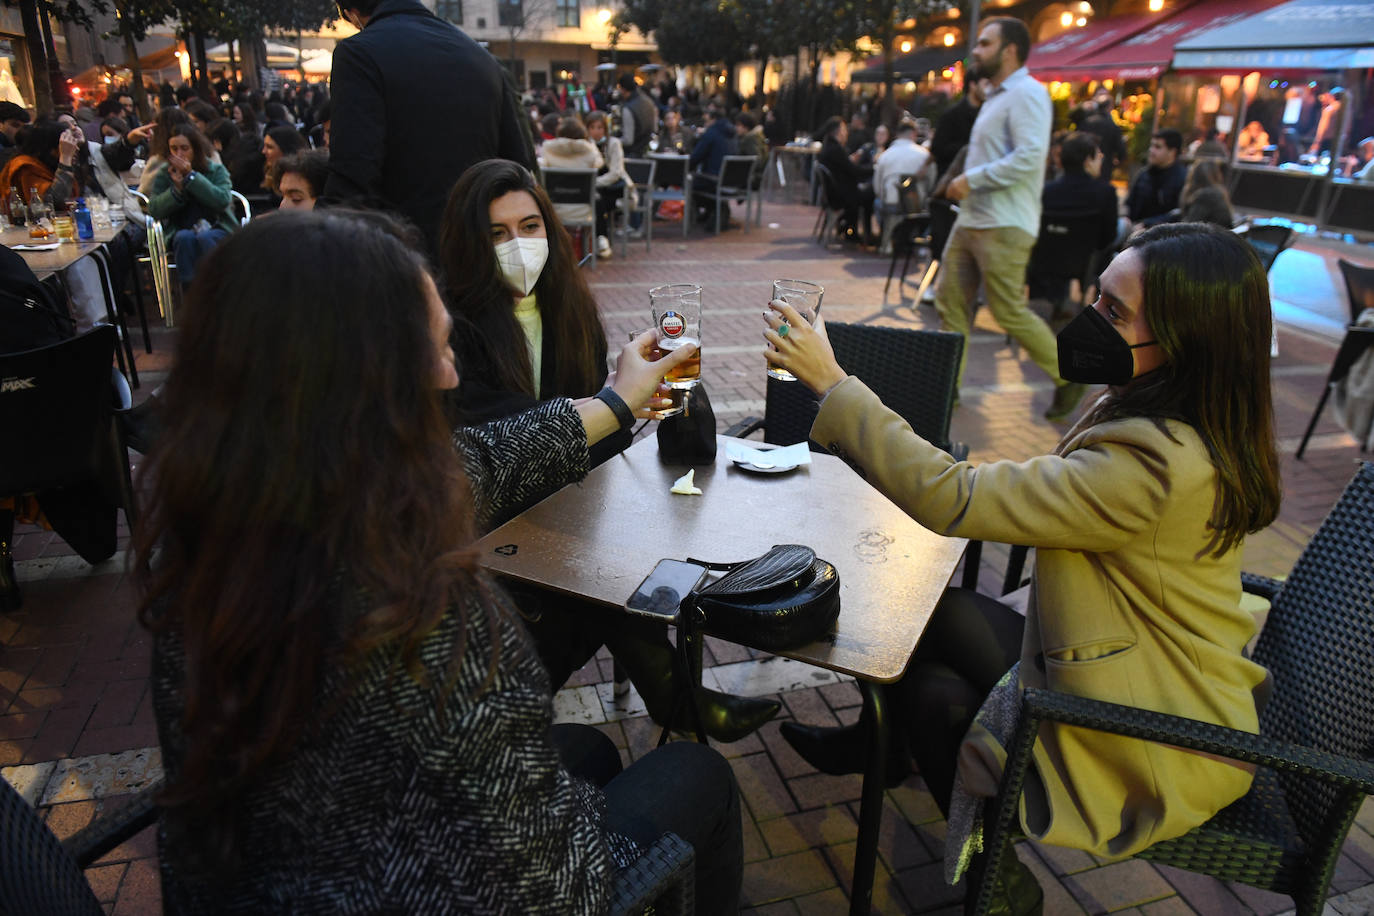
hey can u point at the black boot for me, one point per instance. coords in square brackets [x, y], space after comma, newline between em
[724, 717]
[845, 750]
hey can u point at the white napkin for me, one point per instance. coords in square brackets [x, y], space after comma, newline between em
[683, 486]
[787, 456]
[50, 247]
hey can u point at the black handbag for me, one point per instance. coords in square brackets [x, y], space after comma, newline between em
[689, 437]
[784, 599]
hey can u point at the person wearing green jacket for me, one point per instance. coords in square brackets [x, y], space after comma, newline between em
[191, 198]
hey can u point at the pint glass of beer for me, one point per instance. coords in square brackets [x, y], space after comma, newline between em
[677, 322]
[803, 296]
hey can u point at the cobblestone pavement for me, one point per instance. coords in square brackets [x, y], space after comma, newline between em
[76, 729]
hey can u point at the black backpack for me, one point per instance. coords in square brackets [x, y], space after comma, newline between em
[31, 315]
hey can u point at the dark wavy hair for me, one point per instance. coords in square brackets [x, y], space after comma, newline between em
[306, 497]
[163, 122]
[201, 148]
[1206, 300]
[481, 300]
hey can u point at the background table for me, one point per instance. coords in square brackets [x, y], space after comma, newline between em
[47, 263]
[600, 538]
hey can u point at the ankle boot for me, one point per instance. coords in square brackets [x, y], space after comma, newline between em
[726, 718]
[845, 750]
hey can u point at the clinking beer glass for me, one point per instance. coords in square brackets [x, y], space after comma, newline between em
[803, 296]
[676, 311]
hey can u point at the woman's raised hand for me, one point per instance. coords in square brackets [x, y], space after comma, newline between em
[638, 380]
[802, 349]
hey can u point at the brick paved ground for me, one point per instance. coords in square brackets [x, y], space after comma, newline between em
[76, 730]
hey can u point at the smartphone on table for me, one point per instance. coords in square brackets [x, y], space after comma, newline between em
[662, 591]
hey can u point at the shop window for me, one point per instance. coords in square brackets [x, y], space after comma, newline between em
[568, 13]
[14, 77]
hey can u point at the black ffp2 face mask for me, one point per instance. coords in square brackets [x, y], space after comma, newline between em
[1091, 351]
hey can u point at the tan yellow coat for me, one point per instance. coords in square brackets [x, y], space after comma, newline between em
[1126, 606]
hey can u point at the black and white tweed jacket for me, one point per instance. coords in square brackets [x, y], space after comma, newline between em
[391, 806]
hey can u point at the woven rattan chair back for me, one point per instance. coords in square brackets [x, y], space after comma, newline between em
[913, 371]
[36, 873]
[1318, 646]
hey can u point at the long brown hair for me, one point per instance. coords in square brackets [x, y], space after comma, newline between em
[1207, 305]
[306, 498]
[1207, 172]
[480, 298]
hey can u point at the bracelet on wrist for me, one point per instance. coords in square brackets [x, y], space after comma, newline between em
[622, 411]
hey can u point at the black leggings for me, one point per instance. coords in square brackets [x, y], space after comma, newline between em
[682, 787]
[968, 645]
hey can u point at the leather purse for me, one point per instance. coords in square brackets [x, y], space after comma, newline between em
[690, 437]
[784, 599]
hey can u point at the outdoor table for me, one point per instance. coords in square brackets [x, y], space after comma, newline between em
[599, 538]
[46, 263]
[798, 160]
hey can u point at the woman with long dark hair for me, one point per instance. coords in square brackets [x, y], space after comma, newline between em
[190, 196]
[156, 134]
[526, 328]
[1138, 518]
[1204, 198]
[350, 715]
[46, 161]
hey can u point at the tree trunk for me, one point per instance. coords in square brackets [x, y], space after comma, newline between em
[202, 73]
[140, 94]
[815, 88]
[758, 95]
[54, 74]
[254, 57]
[38, 56]
[233, 69]
[889, 79]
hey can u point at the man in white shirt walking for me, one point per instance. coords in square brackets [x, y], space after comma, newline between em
[999, 200]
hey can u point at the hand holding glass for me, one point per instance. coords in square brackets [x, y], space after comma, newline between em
[803, 296]
[676, 310]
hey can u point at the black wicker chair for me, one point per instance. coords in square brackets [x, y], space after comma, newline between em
[1316, 732]
[1359, 287]
[40, 876]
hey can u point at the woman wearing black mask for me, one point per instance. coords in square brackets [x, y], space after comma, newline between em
[1138, 518]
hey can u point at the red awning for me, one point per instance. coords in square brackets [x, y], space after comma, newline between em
[1147, 54]
[1048, 59]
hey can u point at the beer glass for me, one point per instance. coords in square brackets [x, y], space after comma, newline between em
[678, 395]
[803, 296]
[676, 311]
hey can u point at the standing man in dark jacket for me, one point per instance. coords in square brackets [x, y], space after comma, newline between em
[398, 143]
[638, 117]
[956, 126]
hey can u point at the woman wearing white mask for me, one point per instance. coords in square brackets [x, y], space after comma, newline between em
[526, 329]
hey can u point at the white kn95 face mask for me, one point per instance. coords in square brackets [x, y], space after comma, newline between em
[522, 260]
